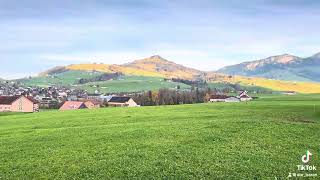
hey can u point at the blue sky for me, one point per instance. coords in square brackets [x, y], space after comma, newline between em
[204, 34]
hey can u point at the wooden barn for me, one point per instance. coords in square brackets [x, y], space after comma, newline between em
[223, 98]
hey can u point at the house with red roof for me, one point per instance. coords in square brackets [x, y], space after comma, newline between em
[73, 105]
[18, 104]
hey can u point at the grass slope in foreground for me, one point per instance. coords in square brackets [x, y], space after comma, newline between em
[260, 139]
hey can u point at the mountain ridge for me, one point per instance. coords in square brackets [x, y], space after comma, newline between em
[281, 67]
[151, 66]
[159, 67]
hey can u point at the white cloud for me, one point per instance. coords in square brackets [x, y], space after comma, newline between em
[16, 75]
[93, 57]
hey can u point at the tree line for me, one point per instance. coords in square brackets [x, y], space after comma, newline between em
[103, 77]
[171, 97]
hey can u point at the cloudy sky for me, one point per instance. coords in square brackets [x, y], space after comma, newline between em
[204, 34]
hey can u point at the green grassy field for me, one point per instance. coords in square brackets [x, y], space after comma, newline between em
[123, 84]
[221, 86]
[62, 79]
[263, 139]
[133, 84]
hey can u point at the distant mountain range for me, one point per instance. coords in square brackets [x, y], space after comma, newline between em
[279, 73]
[283, 67]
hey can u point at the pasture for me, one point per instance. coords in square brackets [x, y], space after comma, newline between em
[125, 83]
[132, 84]
[260, 139]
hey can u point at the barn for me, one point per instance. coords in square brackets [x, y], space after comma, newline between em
[232, 99]
[122, 101]
[223, 98]
[218, 98]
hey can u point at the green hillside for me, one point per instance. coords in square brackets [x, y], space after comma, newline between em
[122, 84]
[232, 87]
[66, 78]
[283, 67]
[263, 139]
[132, 84]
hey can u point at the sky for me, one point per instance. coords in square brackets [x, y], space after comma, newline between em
[204, 34]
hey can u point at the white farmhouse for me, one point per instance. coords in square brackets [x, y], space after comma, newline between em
[243, 96]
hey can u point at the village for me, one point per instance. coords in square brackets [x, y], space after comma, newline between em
[34, 99]
[20, 99]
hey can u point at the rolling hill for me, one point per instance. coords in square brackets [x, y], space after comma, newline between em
[283, 67]
[276, 85]
[121, 83]
[164, 67]
[155, 66]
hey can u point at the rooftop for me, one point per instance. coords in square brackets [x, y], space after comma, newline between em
[118, 99]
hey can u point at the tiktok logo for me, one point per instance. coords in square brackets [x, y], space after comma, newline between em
[307, 157]
[305, 170]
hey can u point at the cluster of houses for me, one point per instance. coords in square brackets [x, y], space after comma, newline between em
[243, 96]
[19, 99]
[29, 104]
[58, 97]
[114, 101]
[49, 97]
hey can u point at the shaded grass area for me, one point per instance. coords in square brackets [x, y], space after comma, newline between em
[123, 84]
[11, 113]
[261, 139]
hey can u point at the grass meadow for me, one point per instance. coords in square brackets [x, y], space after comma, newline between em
[123, 84]
[67, 78]
[262, 139]
[132, 84]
